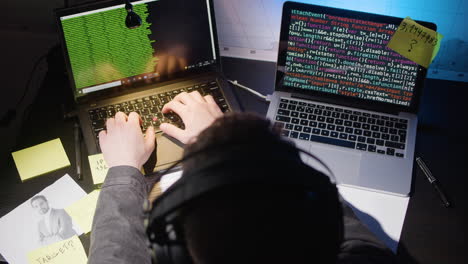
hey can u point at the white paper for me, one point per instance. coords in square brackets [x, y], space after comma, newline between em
[383, 214]
[19, 228]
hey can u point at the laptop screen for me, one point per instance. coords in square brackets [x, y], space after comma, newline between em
[175, 36]
[343, 54]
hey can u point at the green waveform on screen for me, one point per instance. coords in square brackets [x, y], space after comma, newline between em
[102, 49]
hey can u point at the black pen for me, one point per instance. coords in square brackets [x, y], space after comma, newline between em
[432, 180]
[78, 150]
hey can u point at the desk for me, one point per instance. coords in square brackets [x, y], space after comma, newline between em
[431, 233]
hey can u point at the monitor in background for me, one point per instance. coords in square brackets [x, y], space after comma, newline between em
[104, 53]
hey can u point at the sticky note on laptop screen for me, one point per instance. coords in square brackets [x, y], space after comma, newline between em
[40, 159]
[416, 42]
[98, 167]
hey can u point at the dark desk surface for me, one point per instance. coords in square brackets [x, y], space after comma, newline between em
[431, 233]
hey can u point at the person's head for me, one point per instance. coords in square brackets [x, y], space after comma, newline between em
[274, 208]
[40, 203]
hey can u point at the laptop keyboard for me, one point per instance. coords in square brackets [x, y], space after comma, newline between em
[342, 127]
[150, 106]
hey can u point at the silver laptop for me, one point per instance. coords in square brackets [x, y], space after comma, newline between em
[116, 68]
[342, 95]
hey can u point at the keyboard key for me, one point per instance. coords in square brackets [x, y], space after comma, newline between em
[396, 145]
[322, 125]
[384, 129]
[345, 116]
[336, 115]
[332, 141]
[326, 113]
[292, 107]
[283, 118]
[298, 128]
[366, 114]
[312, 117]
[283, 112]
[304, 136]
[302, 103]
[349, 130]
[334, 134]
[394, 138]
[353, 118]
[320, 107]
[330, 127]
[380, 151]
[313, 124]
[371, 148]
[294, 114]
[348, 123]
[390, 151]
[356, 125]
[318, 111]
[361, 139]
[375, 116]
[375, 128]
[347, 111]
[289, 126]
[366, 126]
[380, 142]
[325, 133]
[293, 102]
[283, 100]
[307, 129]
[400, 155]
[330, 120]
[371, 121]
[294, 120]
[338, 122]
[309, 110]
[358, 131]
[329, 108]
[385, 136]
[304, 122]
[362, 119]
[404, 121]
[283, 106]
[311, 105]
[370, 141]
[301, 108]
[367, 133]
[321, 118]
[352, 137]
[343, 136]
[293, 134]
[380, 122]
[389, 124]
[385, 118]
[376, 135]
[340, 128]
[401, 126]
[361, 146]
[303, 115]
[316, 131]
[357, 113]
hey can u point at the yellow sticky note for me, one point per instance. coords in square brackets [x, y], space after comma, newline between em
[416, 42]
[40, 159]
[98, 168]
[82, 211]
[68, 251]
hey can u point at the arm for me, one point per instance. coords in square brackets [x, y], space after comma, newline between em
[65, 224]
[360, 245]
[118, 234]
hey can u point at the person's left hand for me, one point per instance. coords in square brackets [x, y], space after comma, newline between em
[124, 144]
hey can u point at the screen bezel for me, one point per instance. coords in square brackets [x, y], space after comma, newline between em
[340, 99]
[120, 89]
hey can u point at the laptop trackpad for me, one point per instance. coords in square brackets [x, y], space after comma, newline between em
[168, 152]
[345, 165]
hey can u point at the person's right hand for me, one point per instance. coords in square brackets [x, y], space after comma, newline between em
[197, 113]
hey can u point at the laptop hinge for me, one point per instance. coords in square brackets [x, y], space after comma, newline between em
[348, 104]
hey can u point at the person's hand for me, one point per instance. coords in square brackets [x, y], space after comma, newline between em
[197, 113]
[123, 143]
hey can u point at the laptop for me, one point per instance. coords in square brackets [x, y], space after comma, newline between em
[114, 68]
[342, 95]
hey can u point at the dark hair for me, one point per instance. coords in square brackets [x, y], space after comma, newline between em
[258, 222]
[38, 197]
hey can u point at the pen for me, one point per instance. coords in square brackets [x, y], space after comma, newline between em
[432, 180]
[78, 150]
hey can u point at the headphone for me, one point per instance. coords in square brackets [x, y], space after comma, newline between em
[167, 244]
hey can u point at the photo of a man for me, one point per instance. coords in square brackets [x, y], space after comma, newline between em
[55, 224]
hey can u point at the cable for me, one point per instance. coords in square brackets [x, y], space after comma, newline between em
[235, 83]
